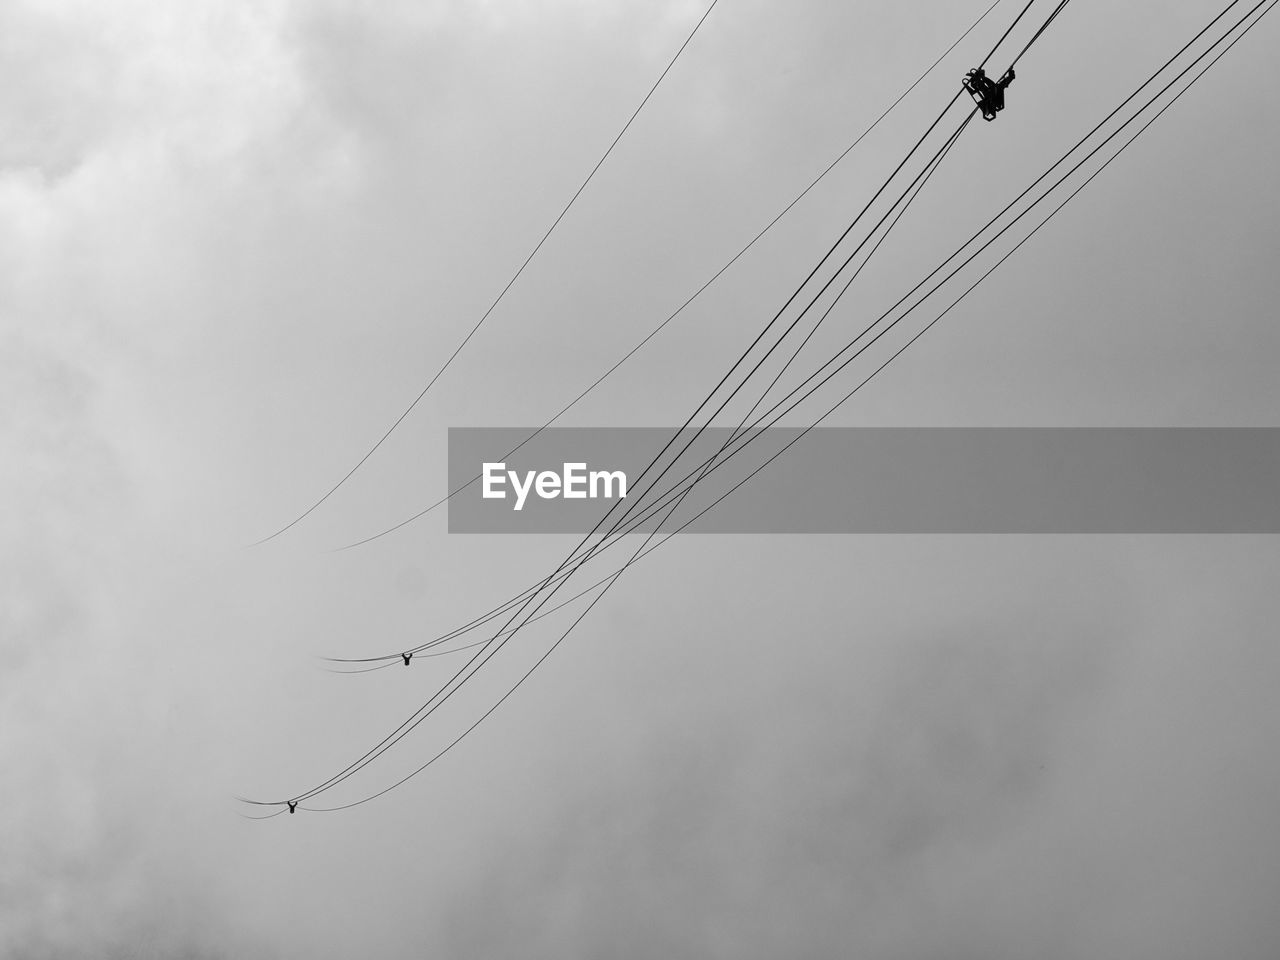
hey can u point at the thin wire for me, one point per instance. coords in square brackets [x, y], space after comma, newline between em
[918, 189]
[1024, 193]
[1036, 36]
[734, 391]
[339, 777]
[975, 236]
[917, 185]
[446, 691]
[266, 816]
[1005, 257]
[697, 293]
[1004, 36]
[528, 594]
[785, 333]
[465, 671]
[843, 290]
[470, 646]
[497, 300]
[758, 424]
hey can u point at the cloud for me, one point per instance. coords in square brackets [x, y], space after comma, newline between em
[827, 827]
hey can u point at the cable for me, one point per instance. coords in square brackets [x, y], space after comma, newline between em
[807, 394]
[778, 342]
[456, 681]
[1006, 256]
[757, 425]
[697, 293]
[812, 273]
[918, 188]
[912, 192]
[1005, 36]
[516, 276]
[768, 326]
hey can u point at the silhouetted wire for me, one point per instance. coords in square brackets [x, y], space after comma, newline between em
[635, 500]
[918, 188]
[1009, 206]
[1024, 193]
[497, 300]
[1034, 184]
[464, 672]
[265, 816]
[341, 777]
[632, 502]
[760, 424]
[426, 652]
[697, 293]
[1005, 36]
[913, 190]
[1269, 5]
[733, 392]
[380, 666]
[1036, 36]
[542, 585]
[978, 234]
[854, 276]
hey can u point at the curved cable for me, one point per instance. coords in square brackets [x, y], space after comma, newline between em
[1005, 257]
[1024, 212]
[389, 658]
[464, 672]
[697, 293]
[557, 574]
[1012, 203]
[498, 299]
[912, 192]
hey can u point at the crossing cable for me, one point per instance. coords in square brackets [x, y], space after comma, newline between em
[848, 283]
[528, 595]
[1025, 192]
[510, 283]
[761, 425]
[696, 294]
[997, 216]
[464, 672]
[483, 655]
[1269, 5]
[698, 431]
[979, 233]
[918, 187]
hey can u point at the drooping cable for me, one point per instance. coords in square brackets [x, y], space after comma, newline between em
[503, 292]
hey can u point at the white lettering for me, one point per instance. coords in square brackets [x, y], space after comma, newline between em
[575, 481]
[548, 484]
[521, 491]
[493, 476]
[609, 477]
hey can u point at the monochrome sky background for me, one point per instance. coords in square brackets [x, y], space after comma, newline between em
[236, 236]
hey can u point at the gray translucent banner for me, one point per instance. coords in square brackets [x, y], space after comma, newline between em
[911, 480]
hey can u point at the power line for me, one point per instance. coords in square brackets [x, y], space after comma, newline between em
[466, 671]
[635, 500]
[1143, 108]
[511, 282]
[1127, 100]
[1269, 5]
[916, 188]
[460, 677]
[696, 294]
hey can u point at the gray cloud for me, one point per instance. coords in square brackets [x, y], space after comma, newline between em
[233, 237]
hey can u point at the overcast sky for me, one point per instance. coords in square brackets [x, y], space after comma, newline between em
[236, 236]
